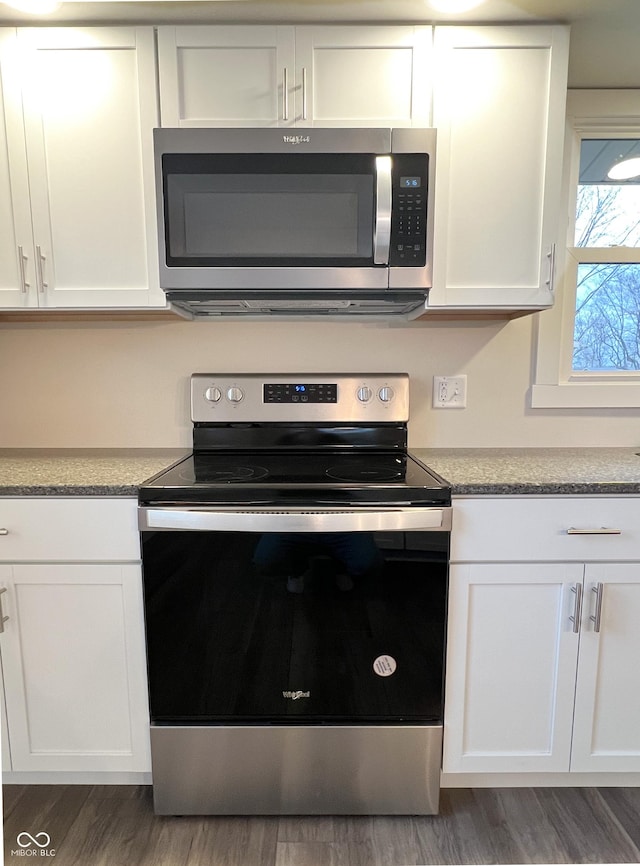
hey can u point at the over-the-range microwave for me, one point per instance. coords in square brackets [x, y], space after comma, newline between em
[295, 222]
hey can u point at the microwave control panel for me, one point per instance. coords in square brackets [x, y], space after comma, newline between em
[409, 180]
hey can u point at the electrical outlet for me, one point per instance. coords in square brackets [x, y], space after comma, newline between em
[449, 392]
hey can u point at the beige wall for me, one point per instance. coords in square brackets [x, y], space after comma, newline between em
[126, 384]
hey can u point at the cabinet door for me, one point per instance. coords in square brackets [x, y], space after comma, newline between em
[606, 728]
[499, 102]
[511, 665]
[73, 662]
[363, 76]
[17, 274]
[226, 76]
[89, 110]
[5, 579]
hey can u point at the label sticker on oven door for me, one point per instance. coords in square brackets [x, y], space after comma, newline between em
[385, 666]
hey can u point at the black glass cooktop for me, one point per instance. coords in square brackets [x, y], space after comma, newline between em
[312, 476]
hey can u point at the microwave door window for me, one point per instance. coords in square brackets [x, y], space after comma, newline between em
[267, 219]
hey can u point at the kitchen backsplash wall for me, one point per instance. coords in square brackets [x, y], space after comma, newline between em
[126, 384]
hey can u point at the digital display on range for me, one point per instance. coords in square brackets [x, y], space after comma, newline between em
[300, 392]
[410, 182]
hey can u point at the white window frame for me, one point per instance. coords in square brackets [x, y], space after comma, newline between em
[590, 114]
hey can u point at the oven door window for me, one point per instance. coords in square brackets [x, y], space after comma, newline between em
[289, 628]
[268, 210]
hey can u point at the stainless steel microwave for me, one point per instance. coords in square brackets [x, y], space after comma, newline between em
[264, 221]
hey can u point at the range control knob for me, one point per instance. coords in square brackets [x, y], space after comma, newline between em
[213, 394]
[235, 395]
[364, 394]
[386, 394]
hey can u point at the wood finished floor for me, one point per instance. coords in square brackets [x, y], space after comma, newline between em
[115, 826]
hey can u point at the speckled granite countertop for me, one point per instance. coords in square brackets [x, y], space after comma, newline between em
[81, 472]
[536, 471]
[470, 471]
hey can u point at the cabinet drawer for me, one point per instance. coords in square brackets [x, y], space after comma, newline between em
[512, 528]
[84, 529]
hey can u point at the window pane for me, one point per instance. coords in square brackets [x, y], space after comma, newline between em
[607, 212]
[607, 324]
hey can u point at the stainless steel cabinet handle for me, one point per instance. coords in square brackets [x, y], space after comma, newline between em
[285, 93]
[596, 617]
[4, 531]
[41, 259]
[24, 285]
[382, 228]
[602, 530]
[551, 255]
[294, 520]
[577, 608]
[304, 93]
[3, 618]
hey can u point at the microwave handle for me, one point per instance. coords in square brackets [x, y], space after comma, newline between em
[382, 228]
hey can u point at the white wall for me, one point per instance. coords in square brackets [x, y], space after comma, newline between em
[126, 384]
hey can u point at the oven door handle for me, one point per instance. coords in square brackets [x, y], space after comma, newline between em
[295, 520]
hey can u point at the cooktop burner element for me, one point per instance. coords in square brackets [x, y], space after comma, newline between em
[365, 471]
[213, 474]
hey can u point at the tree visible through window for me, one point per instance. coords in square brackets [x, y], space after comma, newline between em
[607, 316]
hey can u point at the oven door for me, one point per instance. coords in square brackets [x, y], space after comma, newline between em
[296, 616]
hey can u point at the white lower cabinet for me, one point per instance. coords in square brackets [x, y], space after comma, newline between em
[606, 727]
[542, 672]
[72, 649]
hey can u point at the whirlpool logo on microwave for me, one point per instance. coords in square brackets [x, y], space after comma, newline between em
[296, 139]
[296, 695]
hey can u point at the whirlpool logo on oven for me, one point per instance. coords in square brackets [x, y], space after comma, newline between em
[296, 139]
[296, 695]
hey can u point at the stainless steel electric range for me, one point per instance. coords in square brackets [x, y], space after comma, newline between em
[295, 573]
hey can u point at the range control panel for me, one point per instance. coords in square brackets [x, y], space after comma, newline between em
[337, 398]
[300, 392]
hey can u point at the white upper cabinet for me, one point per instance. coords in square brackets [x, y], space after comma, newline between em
[499, 105]
[363, 76]
[226, 76]
[295, 76]
[79, 107]
[17, 277]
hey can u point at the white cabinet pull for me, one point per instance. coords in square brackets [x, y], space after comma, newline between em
[285, 93]
[4, 530]
[551, 255]
[3, 618]
[304, 93]
[41, 259]
[577, 607]
[602, 530]
[596, 617]
[24, 285]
